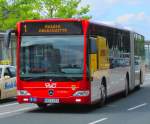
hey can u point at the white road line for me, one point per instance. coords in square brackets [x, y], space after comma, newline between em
[8, 105]
[19, 110]
[147, 78]
[97, 121]
[138, 106]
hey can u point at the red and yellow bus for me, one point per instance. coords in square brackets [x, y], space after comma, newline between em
[75, 61]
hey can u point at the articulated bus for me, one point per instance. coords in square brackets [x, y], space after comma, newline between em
[75, 61]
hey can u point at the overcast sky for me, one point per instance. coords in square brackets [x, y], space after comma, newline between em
[130, 14]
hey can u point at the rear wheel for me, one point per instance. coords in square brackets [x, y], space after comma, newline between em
[0, 94]
[126, 91]
[140, 81]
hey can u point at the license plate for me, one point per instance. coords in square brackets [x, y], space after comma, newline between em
[51, 101]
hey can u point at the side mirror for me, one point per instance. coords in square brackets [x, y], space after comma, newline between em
[7, 37]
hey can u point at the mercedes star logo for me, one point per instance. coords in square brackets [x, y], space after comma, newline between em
[51, 92]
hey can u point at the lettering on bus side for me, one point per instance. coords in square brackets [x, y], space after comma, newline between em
[50, 85]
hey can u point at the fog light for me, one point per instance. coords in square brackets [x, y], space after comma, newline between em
[25, 99]
[78, 100]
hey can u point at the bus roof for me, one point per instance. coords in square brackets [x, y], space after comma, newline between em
[55, 20]
[80, 20]
[110, 26]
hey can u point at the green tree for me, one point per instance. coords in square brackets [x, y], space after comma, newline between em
[12, 11]
[64, 9]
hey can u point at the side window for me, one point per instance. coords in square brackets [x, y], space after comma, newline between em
[12, 71]
[93, 47]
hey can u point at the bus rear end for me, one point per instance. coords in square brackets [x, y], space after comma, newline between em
[51, 62]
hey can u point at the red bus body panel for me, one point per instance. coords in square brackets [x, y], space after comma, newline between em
[63, 91]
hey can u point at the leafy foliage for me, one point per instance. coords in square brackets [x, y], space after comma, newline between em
[12, 11]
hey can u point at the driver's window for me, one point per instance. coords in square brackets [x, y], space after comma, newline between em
[93, 47]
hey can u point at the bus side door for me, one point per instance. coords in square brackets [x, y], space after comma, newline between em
[93, 67]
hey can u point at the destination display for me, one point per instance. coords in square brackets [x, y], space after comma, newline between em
[48, 28]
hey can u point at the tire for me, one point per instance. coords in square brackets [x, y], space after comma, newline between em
[0, 95]
[42, 105]
[126, 91]
[138, 87]
[103, 94]
[141, 75]
[140, 81]
[102, 101]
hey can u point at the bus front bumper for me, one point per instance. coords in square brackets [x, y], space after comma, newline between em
[67, 100]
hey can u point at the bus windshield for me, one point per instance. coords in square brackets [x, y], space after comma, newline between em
[57, 58]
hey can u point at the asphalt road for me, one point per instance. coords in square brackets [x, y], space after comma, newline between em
[135, 109]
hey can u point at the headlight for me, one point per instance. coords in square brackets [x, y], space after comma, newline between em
[23, 93]
[81, 93]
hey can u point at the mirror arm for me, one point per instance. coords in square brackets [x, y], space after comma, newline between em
[7, 37]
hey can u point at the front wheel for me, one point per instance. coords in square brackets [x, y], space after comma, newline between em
[103, 94]
[42, 105]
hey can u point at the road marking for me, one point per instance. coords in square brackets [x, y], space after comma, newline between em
[97, 121]
[8, 105]
[138, 106]
[147, 78]
[19, 110]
